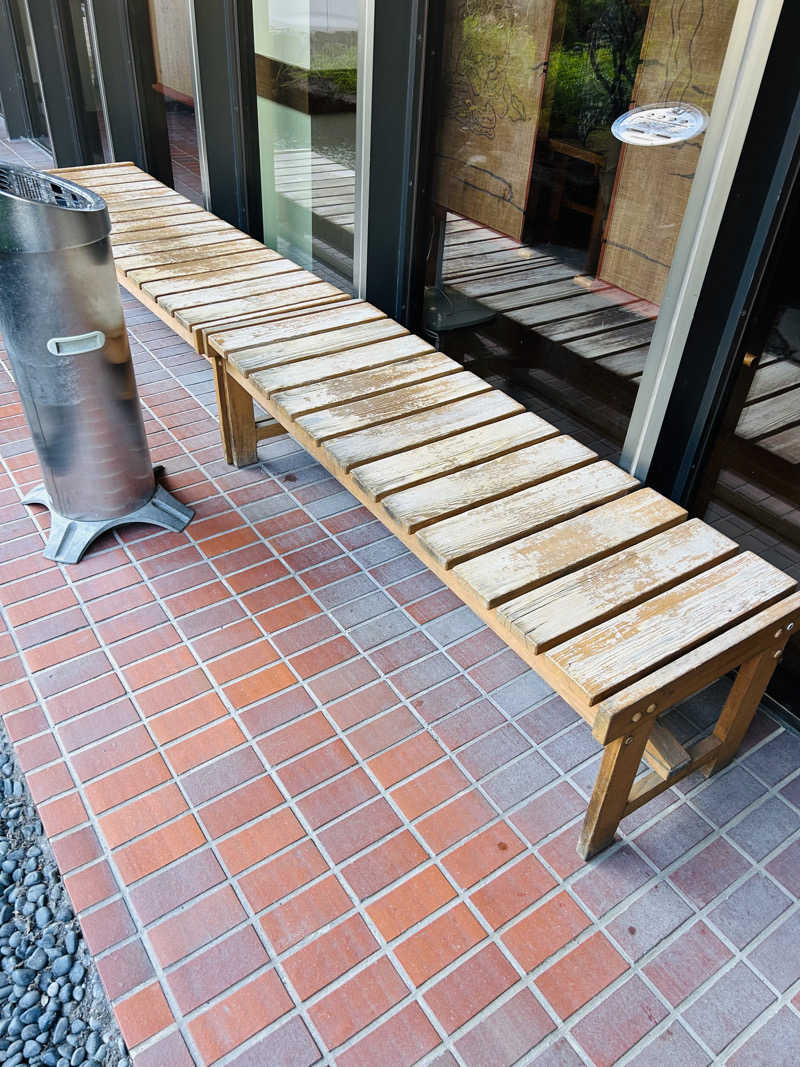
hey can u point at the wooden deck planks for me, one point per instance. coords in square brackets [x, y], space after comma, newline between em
[236, 339]
[214, 260]
[422, 428]
[313, 346]
[456, 493]
[435, 458]
[328, 371]
[540, 557]
[261, 268]
[372, 383]
[560, 609]
[462, 537]
[615, 654]
[220, 310]
[359, 414]
[207, 295]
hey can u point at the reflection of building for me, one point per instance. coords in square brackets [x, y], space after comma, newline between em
[628, 291]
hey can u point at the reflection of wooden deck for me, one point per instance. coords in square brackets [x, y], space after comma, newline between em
[583, 330]
[313, 182]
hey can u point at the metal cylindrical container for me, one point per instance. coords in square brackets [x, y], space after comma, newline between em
[62, 323]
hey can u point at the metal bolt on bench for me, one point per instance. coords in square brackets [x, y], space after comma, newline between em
[61, 320]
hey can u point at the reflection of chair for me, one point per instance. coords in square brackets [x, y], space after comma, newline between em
[565, 186]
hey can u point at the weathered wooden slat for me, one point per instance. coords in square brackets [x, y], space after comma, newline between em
[321, 426]
[688, 674]
[167, 240]
[575, 303]
[206, 295]
[786, 445]
[505, 261]
[455, 238]
[347, 339]
[194, 318]
[166, 208]
[164, 237]
[419, 465]
[213, 261]
[230, 243]
[524, 278]
[115, 192]
[137, 197]
[769, 416]
[96, 169]
[107, 178]
[424, 427]
[628, 364]
[463, 537]
[604, 344]
[159, 202]
[480, 248]
[560, 609]
[308, 385]
[148, 221]
[232, 340]
[456, 493]
[596, 322]
[617, 653]
[265, 268]
[774, 378]
[548, 272]
[416, 367]
[263, 314]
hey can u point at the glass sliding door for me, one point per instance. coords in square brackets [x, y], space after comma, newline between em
[306, 63]
[170, 49]
[30, 74]
[751, 487]
[569, 136]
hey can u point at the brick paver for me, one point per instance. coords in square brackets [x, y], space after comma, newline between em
[309, 809]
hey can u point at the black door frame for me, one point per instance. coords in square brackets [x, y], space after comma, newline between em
[404, 63]
[227, 110]
[737, 305]
[726, 326]
[137, 124]
[13, 90]
[74, 130]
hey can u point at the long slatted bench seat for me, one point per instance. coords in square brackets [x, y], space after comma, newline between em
[607, 589]
[623, 604]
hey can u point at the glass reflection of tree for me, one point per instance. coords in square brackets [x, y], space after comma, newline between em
[485, 66]
[613, 46]
[593, 68]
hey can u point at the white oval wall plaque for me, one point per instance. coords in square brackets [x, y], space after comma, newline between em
[660, 124]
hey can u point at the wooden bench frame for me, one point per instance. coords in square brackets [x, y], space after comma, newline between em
[625, 724]
[624, 718]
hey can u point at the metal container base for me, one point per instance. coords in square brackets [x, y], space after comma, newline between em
[69, 538]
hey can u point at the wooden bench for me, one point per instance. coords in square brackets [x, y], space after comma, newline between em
[623, 604]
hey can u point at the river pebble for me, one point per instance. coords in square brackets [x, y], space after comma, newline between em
[53, 1010]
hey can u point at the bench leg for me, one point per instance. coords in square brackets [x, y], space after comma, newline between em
[218, 366]
[621, 759]
[238, 424]
[752, 679]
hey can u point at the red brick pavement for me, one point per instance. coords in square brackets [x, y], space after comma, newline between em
[309, 809]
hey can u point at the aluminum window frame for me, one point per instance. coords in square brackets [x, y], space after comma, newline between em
[749, 46]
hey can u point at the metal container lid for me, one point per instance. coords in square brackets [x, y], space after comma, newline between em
[42, 212]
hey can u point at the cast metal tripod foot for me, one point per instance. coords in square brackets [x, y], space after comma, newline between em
[69, 538]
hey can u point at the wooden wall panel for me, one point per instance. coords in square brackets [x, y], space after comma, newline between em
[682, 54]
[172, 46]
[495, 65]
